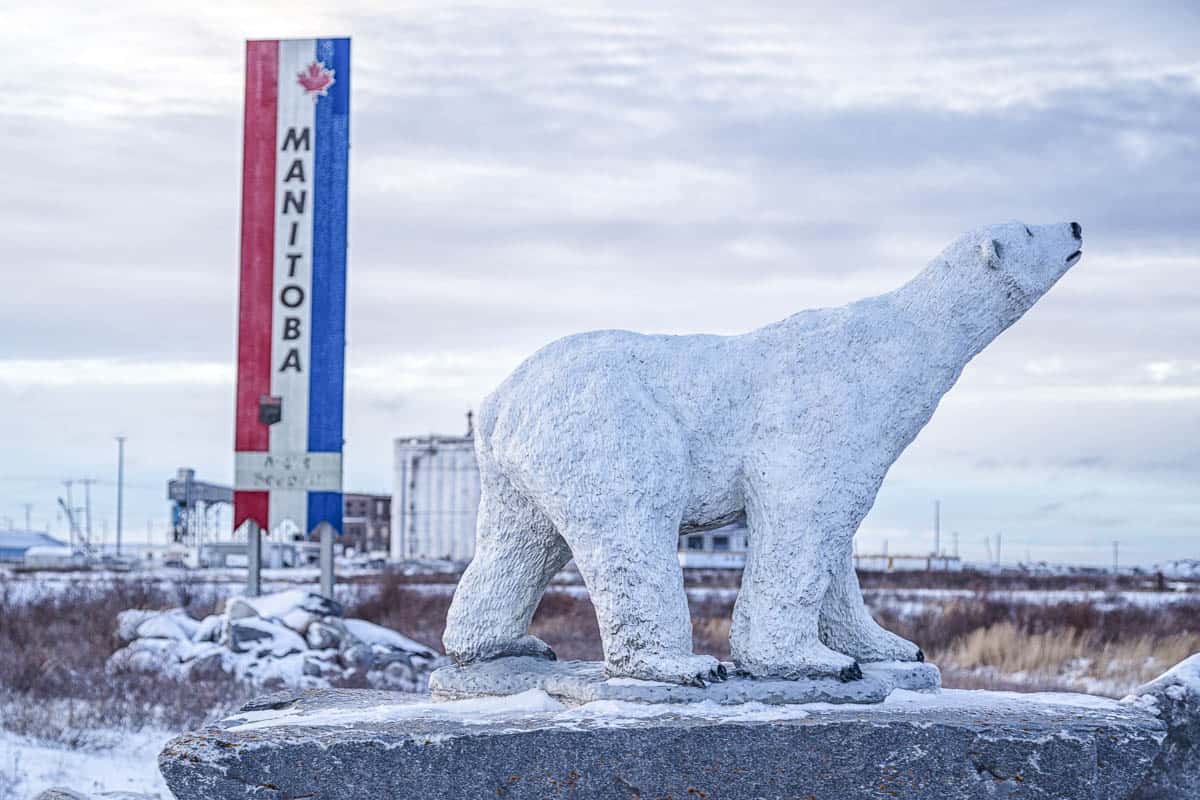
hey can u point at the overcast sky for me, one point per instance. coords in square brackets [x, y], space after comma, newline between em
[521, 173]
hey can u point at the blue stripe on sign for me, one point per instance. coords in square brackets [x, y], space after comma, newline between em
[325, 507]
[331, 147]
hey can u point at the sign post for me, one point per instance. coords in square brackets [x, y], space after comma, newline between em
[292, 294]
[253, 559]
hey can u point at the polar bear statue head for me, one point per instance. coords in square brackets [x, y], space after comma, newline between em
[1015, 263]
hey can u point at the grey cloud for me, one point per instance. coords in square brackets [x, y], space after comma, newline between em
[785, 179]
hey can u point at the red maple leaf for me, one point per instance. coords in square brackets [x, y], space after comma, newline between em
[315, 79]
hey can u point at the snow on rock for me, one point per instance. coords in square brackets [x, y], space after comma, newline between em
[298, 619]
[264, 636]
[377, 635]
[1174, 697]
[149, 656]
[209, 629]
[173, 624]
[322, 635]
[129, 621]
[294, 638]
[281, 603]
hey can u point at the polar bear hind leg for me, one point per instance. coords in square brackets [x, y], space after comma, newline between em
[517, 552]
[847, 627]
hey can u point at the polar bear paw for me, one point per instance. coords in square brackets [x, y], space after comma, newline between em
[874, 643]
[521, 646]
[814, 661]
[528, 645]
[688, 670]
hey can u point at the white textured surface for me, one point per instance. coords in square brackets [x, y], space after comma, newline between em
[605, 445]
[373, 634]
[1178, 681]
[577, 682]
[536, 707]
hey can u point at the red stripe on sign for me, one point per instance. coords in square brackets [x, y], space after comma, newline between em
[251, 505]
[258, 245]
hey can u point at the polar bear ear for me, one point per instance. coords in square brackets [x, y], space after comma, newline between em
[989, 253]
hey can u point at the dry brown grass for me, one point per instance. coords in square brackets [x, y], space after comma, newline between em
[53, 684]
[1064, 658]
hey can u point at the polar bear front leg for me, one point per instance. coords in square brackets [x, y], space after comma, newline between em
[847, 627]
[775, 619]
[636, 585]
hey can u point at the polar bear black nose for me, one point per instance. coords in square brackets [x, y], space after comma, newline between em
[1077, 230]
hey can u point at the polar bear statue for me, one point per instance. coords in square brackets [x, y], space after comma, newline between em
[606, 446]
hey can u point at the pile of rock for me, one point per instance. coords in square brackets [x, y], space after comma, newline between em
[295, 638]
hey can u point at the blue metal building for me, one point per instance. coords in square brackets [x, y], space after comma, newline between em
[13, 544]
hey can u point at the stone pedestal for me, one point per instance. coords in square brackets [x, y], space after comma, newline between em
[529, 746]
[576, 682]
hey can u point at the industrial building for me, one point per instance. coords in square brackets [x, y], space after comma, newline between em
[882, 562]
[721, 548]
[196, 507]
[367, 522]
[435, 498]
[14, 544]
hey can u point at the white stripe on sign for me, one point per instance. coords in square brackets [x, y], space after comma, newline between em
[291, 323]
[313, 472]
[286, 507]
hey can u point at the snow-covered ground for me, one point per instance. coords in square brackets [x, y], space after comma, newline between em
[28, 766]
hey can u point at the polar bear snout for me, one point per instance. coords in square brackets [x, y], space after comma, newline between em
[1077, 235]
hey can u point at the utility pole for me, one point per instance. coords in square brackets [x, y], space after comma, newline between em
[28, 516]
[69, 507]
[87, 505]
[120, 487]
[997, 548]
[937, 528]
[987, 542]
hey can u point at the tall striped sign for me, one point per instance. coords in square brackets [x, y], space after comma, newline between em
[292, 303]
